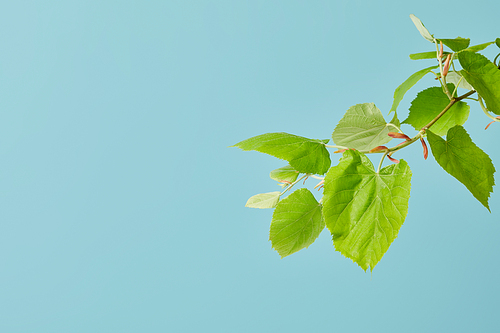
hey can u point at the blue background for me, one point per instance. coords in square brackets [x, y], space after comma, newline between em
[122, 209]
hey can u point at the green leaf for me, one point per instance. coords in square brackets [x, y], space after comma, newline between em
[429, 103]
[296, 222]
[477, 48]
[284, 174]
[425, 55]
[484, 76]
[410, 82]
[304, 155]
[264, 200]
[421, 28]
[497, 41]
[462, 159]
[455, 78]
[363, 127]
[456, 44]
[364, 210]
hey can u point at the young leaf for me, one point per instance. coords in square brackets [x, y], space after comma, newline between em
[264, 200]
[425, 55]
[456, 44]
[296, 222]
[286, 174]
[363, 127]
[455, 78]
[410, 82]
[484, 76]
[364, 210]
[304, 155]
[429, 103]
[477, 48]
[462, 159]
[421, 28]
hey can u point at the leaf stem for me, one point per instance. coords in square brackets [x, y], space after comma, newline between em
[382, 160]
[485, 110]
[295, 182]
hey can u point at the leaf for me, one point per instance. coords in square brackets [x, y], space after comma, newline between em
[477, 48]
[484, 76]
[364, 210]
[455, 78]
[406, 85]
[497, 41]
[421, 28]
[304, 155]
[429, 103]
[286, 174]
[363, 127]
[456, 44]
[425, 55]
[296, 222]
[462, 159]
[264, 200]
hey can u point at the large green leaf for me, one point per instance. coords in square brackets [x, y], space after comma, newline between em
[421, 28]
[429, 103]
[364, 210]
[285, 174]
[363, 127]
[456, 44]
[484, 76]
[407, 84]
[425, 55]
[296, 222]
[465, 161]
[264, 200]
[304, 155]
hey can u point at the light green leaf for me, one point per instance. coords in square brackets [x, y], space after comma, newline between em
[425, 55]
[363, 127]
[484, 76]
[429, 103]
[410, 82]
[456, 44]
[304, 155]
[477, 48]
[465, 161]
[284, 174]
[455, 78]
[296, 222]
[364, 210]
[421, 28]
[264, 200]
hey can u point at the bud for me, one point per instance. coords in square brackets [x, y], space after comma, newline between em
[440, 49]
[399, 136]
[491, 123]
[379, 149]
[392, 159]
[339, 151]
[424, 145]
[446, 65]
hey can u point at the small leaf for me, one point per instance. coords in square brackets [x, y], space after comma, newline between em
[304, 155]
[284, 174]
[425, 55]
[462, 159]
[421, 28]
[497, 41]
[363, 127]
[407, 84]
[477, 48]
[456, 44]
[484, 76]
[296, 222]
[364, 210]
[455, 78]
[264, 200]
[429, 103]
